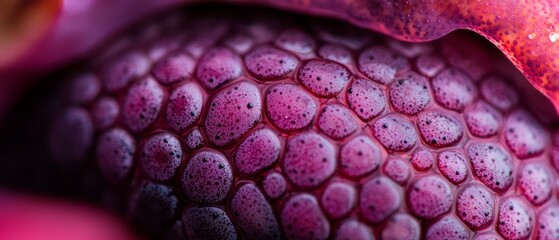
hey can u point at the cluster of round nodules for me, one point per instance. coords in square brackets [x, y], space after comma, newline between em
[269, 132]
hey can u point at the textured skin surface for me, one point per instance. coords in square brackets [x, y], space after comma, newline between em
[313, 117]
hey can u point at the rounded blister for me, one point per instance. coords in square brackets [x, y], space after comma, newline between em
[208, 223]
[524, 135]
[336, 121]
[268, 63]
[360, 156]
[71, 137]
[454, 90]
[161, 156]
[483, 120]
[309, 160]
[515, 219]
[295, 40]
[422, 160]
[499, 93]
[447, 228]
[401, 226]
[142, 104]
[289, 107]
[338, 199]
[336, 53]
[429, 197]
[378, 199]
[430, 65]
[123, 70]
[439, 129]
[257, 152]
[381, 64]
[395, 132]
[194, 139]
[409, 93]
[535, 183]
[218, 66]
[475, 206]
[232, 113]
[353, 230]
[492, 165]
[83, 88]
[488, 236]
[397, 170]
[548, 223]
[104, 112]
[174, 68]
[452, 165]
[274, 185]
[207, 177]
[254, 214]
[152, 206]
[302, 218]
[366, 99]
[323, 78]
[115, 154]
[184, 106]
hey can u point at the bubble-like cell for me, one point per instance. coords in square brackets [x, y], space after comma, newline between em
[161, 156]
[336, 53]
[84, 88]
[289, 107]
[366, 99]
[465, 62]
[194, 139]
[379, 198]
[409, 93]
[123, 70]
[524, 135]
[515, 219]
[301, 218]
[240, 42]
[257, 152]
[142, 104]
[422, 160]
[176, 67]
[548, 223]
[429, 197]
[71, 137]
[408, 49]
[447, 228]
[152, 206]
[218, 66]
[163, 46]
[353, 230]
[453, 166]
[115, 154]
[492, 165]
[207, 177]
[359, 157]
[323, 78]
[295, 40]
[381, 64]
[397, 170]
[488, 236]
[499, 93]
[268, 63]
[274, 185]
[554, 151]
[483, 120]
[208, 223]
[535, 183]
[395, 132]
[439, 129]
[429, 65]
[401, 226]
[184, 106]
[338, 199]
[340, 33]
[454, 90]
[208, 32]
[336, 121]
[104, 112]
[309, 160]
[232, 113]
[253, 213]
[475, 206]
